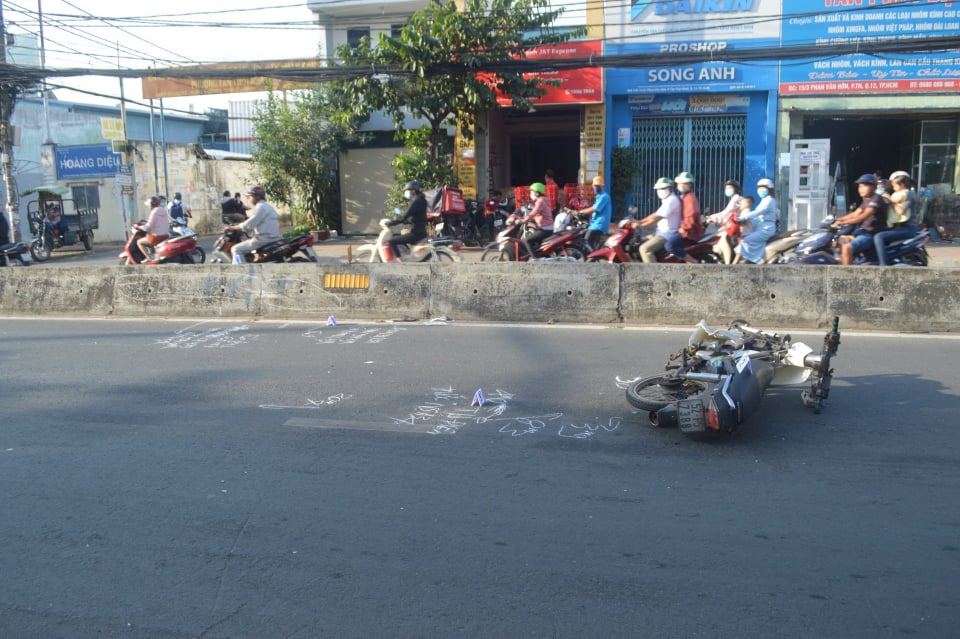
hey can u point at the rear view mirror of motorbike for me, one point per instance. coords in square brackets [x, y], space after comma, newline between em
[691, 415]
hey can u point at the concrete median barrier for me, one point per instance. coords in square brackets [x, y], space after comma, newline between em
[907, 299]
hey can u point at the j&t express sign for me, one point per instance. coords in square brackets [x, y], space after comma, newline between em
[87, 161]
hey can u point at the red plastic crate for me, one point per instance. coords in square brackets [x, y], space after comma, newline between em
[521, 196]
[578, 196]
[552, 193]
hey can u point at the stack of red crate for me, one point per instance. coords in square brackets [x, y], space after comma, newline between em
[578, 196]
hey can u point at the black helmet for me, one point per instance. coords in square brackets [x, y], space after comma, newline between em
[736, 185]
[258, 193]
[412, 185]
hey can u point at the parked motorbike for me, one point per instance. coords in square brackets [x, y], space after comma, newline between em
[715, 382]
[428, 249]
[14, 254]
[623, 245]
[179, 249]
[298, 248]
[818, 248]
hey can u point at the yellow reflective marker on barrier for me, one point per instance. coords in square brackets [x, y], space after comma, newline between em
[345, 280]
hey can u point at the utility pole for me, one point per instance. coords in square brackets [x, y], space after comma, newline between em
[8, 99]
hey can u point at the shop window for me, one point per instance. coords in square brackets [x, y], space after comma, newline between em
[86, 197]
[395, 30]
[354, 36]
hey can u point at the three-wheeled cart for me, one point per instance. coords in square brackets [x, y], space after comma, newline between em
[57, 222]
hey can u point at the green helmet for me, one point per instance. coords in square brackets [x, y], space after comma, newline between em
[538, 187]
[663, 183]
[684, 178]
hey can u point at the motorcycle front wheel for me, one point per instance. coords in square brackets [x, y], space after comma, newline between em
[87, 240]
[659, 391]
[40, 249]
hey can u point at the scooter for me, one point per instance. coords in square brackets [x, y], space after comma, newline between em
[511, 246]
[715, 382]
[298, 248]
[14, 254]
[180, 249]
[623, 246]
[818, 248]
[428, 249]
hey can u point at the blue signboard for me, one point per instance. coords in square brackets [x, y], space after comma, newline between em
[87, 161]
[847, 23]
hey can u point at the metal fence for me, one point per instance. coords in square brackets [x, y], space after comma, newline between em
[711, 147]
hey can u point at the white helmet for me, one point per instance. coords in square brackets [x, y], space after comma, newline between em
[899, 174]
[684, 178]
[663, 183]
[766, 183]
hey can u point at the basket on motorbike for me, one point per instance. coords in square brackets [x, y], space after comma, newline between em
[578, 196]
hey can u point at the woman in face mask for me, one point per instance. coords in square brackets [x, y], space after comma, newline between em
[727, 221]
[763, 224]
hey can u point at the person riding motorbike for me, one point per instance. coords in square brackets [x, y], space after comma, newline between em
[600, 214]
[416, 214]
[667, 218]
[763, 224]
[157, 226]
[540, 215]
[902, 215]
[264, 223]
[727, 221]
[870, 216]
[691, 225]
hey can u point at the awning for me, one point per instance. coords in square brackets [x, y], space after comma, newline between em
[55, 189]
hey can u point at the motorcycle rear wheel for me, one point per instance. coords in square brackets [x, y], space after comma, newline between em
[87, 240]
[659, 391]
[571, 251]
[198, 256]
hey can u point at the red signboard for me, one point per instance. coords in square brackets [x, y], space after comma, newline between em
[869, 86]
[577, 86]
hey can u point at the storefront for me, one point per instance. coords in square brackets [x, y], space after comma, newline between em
[716, 120]
[843, 116]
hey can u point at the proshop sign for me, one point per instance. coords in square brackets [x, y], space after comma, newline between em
[87, 161]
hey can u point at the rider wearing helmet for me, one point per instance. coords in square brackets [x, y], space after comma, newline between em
[728, 233]
[415, 214]
[263, 223]
[903, 208]
[870, 216]
[691, 228]
[763, 224]
[667, 218]
[157, 227]
[540, 215]
[600, 214]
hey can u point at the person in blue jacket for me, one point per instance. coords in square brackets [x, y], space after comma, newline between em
[763, 225]
[600, 214]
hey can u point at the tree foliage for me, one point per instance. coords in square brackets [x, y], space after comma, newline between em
[441, 34]
[299, 141]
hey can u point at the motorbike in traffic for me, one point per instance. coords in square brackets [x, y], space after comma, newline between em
[511, 245]
[437, 250]
[716, 381]
[820, 248]
[623, 245]
[298, 248]
[177, 249]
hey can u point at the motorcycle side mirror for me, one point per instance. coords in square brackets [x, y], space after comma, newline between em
[396, 211]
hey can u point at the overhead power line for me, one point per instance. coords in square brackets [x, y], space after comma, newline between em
[307, 71]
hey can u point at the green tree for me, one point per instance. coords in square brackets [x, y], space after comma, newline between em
[441, 49]
[299, 141]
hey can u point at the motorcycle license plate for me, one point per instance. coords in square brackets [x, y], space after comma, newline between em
[690, 416]
[498, 223]
[26, 257]
[310, 252]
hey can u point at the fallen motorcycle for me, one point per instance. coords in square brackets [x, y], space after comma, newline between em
[716, 381]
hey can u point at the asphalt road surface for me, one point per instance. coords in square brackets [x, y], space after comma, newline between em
[257, 479]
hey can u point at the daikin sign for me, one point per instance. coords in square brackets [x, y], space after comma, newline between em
[683, 7]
